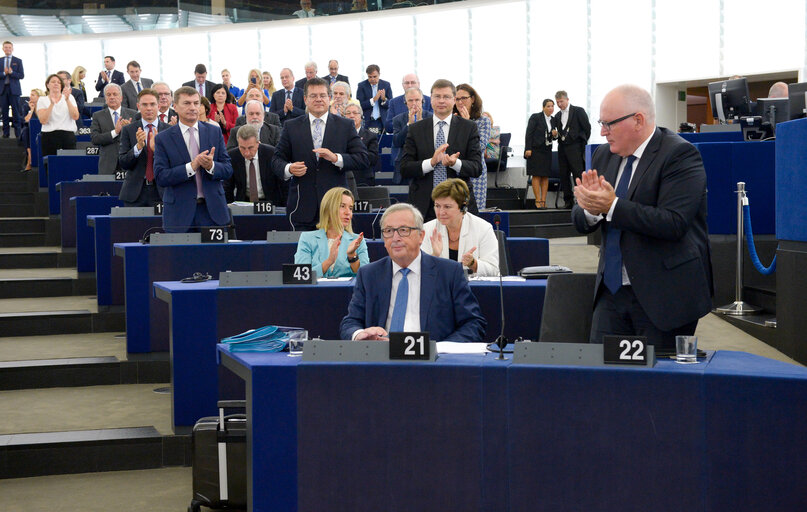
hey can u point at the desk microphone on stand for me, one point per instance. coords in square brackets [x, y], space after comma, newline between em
[501, 341]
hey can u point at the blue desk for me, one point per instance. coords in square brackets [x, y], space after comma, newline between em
[69, 189]
[732, 136]
[66, 168]
[84, 206]
[524, 438]
[200, 314]
[145, 264]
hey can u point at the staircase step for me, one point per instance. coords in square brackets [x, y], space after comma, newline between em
[87, 451]
[16, 176]
[22, 239]
[13, 288]
[9, 198]
[18, 210]
[61, 322]
[81, 371]
[548, 216]
[24, 224]
[25, 258]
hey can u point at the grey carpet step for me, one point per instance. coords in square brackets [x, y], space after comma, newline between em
[82, 371]
[89, 451]
[47, 287]
[24, 259]
[61, 322]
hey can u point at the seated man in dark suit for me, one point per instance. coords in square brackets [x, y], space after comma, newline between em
[374, 95]
[190, 163]
[314, 153]
[444, 146]
[333, 75]
[256, 116]
[363, 177]
[310, 72]
[411, 291]
[136, 155]
[201, 84]
[253, 179]
[415, 111]
[647, 192]
[287, 102]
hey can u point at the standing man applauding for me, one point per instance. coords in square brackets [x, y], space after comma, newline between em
[10, 89]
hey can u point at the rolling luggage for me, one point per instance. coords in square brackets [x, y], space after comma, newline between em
[220, 460]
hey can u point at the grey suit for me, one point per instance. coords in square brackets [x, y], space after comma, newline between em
[101, 135]
[129, 92]
[270, 134]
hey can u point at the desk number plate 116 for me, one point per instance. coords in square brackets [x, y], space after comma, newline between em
[625, 350]
[409, 346]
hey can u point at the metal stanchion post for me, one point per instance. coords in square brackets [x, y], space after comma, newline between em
[739, 307]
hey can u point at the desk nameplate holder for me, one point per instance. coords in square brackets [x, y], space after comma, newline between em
[356, 351]
[132, 211]
[174, 238]
[283, 236]
[71, 152]
[99, 177]
[569, 354]
[240, 209]
[253, 278]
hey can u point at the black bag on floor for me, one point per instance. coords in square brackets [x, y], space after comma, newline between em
[220, 460]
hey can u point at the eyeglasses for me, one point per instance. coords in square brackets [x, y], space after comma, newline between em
[606, 125]
[463, 98]
[403, 231]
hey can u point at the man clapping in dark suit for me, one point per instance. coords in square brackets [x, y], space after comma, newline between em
[574, 132]
[201, 84]
[136, 155]
[10, 90]
[108, 76]
[374, 95]
[288, 101]
[314, 152]
[253, 179]
[441, 147]
[134, 85]
[333, 75]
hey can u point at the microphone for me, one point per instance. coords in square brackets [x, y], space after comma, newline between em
[501, 341]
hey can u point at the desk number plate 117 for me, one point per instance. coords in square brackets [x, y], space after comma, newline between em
[409, 346]
[625, 350]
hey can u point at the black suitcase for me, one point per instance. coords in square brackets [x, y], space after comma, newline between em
[220, 460]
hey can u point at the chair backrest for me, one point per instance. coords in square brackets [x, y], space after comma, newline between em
[568, 306]
[504, 139]
[504, 254]
[378, 196]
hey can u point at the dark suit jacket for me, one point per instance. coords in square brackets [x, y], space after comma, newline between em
[448, 309]
[208, 88]
[364, 93]
[270, 134]
[275, 189]
[578, 127]
[117, 78]
[279, 100]
[268, 118]
[296, 145]
[171, 113]
[370, 141]
[100, 135]
[397, 106]
[535, 140]
[665, 238]
[400, 129]
[82, 110]
[17, 74]
[170, 156]
[135, 166]
[129, 92]
[339, 78]
[463, 137]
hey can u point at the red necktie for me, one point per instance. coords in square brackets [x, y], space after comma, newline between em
[162, 118]
[149, 157]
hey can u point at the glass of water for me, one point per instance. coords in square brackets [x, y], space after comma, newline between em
[296, 340]
[686, 349]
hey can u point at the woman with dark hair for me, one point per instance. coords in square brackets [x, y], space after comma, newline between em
[541, 131]
[468, 104]
[57, 111]
[223, 110]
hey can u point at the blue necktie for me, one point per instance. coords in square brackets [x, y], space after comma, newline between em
[115, 118]
[138, 88]
[399, 311]
[612, 272]
[440, 169]
[376, 108]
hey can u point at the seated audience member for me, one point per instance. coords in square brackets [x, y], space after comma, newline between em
[136, 153]
[310, 72]
[340, 91]
[458, 235]
[398, 106]
[253, 179]
[333, 250]
[268, 133]
[493, 149]
[29, 112]
[226, 80]
[411, 291]
[57, 111]
[223, 111]
[365, 176]
[415, 111]
[778, 90]
[287, 102]
[469, 106]
[306, 10]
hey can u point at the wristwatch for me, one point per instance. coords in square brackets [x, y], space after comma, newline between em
[354, 259]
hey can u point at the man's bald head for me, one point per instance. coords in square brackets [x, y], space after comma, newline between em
[627, 118]
[778, 90]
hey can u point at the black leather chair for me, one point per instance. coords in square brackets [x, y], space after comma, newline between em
[378, 196]
[505, 264]
[497, 165]
[568, 307]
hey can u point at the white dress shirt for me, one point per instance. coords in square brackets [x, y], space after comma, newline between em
[186, 135]
[426, 166]
[564, 115]
[146, 124]
[339, 160]
[112, 115]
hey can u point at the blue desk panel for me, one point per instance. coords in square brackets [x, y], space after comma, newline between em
[145, 264]
[66, 168]
[694, 138]
[547, 437]
[201, 314]
[68, 189]
[791, 209]
[85, 206]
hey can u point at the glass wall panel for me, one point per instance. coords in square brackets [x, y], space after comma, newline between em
[443, 40]
[143, 48]
[388, 42]
[284, 47]
[180, 55]
[236, 50]
[36, 69]
[340, 41]
[687, 40]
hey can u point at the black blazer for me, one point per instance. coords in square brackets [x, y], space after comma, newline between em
[279, 100]
[370, 141]
[208, 88]
[275, 189]
[339, 78]
[135, 167]
[578, 127]
[665, 238]
[296, 145]
[463, 137]
[269, 134]
[117, 78]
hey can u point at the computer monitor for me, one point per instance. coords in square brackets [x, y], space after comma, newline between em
[730, 99]
[774, 110]
[798, 99]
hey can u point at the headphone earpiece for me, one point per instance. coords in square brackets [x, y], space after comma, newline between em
[464, 207]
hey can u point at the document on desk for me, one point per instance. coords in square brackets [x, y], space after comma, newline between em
[335, 279]
[453, 347]
[496, 278]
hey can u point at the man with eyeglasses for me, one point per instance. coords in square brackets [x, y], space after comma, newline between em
[575, 129]
[411, 291]
[646, 191]
[398, 104]
[165, 114]
[314, 152]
